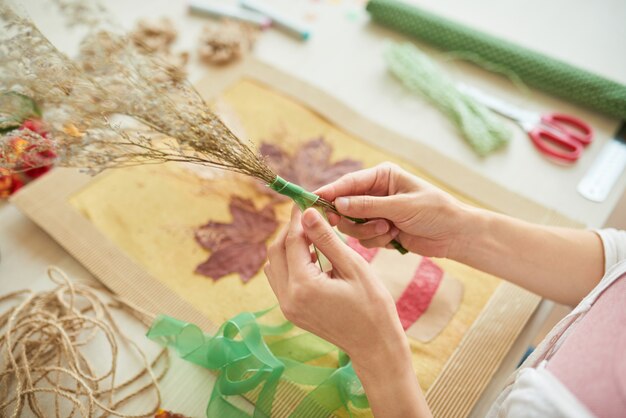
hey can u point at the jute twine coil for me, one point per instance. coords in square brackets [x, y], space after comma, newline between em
[45, 359]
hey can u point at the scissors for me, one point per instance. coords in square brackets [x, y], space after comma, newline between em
[559, 136]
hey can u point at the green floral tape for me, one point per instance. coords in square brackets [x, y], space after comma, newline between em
[248, 355]
[303, 198]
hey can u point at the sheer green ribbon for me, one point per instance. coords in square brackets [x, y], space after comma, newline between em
[248, 355]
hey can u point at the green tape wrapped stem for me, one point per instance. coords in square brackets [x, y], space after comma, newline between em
[244, 361]
[305, 199]
[540, 71]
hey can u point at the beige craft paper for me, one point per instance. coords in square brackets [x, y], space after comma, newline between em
[481, 334]
[396, 272]
[443, 306]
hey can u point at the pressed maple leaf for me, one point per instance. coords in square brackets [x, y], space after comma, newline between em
[309, 166]
[239, 246]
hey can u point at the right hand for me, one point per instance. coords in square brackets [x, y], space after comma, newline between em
[398, 205]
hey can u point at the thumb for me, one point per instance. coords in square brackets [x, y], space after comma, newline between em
[321, 234]
[365, 206]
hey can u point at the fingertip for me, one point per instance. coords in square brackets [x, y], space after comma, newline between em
[295, 223]
[342, 204]
[310, 218]
[381, 227]
[333, 218]
[322, 190]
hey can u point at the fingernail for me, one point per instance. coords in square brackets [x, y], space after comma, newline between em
[310, 217]
[394, 232]
[381, 227]
[342, 203]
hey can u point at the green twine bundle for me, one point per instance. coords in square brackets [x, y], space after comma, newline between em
[540, 71]
[484, 130]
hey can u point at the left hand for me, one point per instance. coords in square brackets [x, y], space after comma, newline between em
[348, 306]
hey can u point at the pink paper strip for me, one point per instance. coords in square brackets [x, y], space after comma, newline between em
[419, 293]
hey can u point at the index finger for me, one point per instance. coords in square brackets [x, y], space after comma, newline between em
[298, 253]
[371, 181]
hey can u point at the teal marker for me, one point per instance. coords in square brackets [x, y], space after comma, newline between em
[215, 9]
[279, 19]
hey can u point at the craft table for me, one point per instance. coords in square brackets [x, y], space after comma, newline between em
[343, 56]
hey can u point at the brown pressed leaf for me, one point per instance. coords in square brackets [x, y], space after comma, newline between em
[237, 247]
[309, 166]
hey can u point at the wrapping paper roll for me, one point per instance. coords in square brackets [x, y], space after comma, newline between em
[537, 70]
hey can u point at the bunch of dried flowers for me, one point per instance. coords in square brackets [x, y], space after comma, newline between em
[113, 105]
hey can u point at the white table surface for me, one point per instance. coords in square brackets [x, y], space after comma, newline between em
[343, 56]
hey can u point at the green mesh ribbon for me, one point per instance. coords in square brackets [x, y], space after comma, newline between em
[544, 73]
[248, 355]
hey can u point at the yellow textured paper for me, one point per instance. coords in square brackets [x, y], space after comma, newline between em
[151, 212]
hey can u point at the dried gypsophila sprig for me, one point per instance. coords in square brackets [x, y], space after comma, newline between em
[112, 77]
[88, 13]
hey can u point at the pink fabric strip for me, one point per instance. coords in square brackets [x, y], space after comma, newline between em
[419, 293]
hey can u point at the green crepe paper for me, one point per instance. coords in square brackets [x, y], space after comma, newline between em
[305, 199]
[535, 69]
[247, 355]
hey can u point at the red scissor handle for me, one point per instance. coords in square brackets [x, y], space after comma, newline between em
[570, 125]
[556, 144]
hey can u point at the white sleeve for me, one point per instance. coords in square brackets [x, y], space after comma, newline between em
[614, 242]
[537, 393]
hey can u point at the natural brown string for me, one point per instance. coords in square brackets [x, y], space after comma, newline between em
[44, 347]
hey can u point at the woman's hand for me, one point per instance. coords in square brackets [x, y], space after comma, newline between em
[399, 206]
[347, 306]
[557, 263]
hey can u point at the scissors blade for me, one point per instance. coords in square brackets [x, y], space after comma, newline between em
[498, 105]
